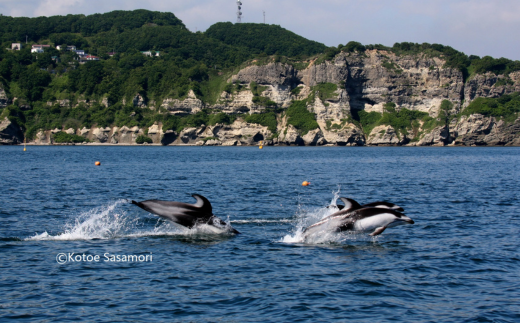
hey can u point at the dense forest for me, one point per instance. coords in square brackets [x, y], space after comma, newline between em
[185, 60]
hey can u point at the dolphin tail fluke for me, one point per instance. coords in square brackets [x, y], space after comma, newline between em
[378, 231]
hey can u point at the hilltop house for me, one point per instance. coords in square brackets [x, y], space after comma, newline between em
[69, 48]
[151, 53]
[37, 50]
[16, 46]
[41, 46]
[86, 58]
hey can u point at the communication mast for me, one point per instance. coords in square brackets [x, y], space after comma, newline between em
[239, 12]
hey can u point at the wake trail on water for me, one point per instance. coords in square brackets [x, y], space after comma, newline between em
[111, 222]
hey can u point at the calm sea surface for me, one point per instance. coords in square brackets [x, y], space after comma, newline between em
[459, 262]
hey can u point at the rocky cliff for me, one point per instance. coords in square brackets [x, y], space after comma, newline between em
[10, 133]
[361, 82]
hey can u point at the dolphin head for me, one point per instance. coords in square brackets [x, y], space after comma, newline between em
[401, 219]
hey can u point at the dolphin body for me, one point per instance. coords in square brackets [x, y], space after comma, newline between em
[351, 204]
[187, 215]
[374, 217]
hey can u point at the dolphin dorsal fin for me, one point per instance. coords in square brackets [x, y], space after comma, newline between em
[350, 204]
[203, 203]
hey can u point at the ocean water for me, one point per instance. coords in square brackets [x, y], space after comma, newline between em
[68, 235]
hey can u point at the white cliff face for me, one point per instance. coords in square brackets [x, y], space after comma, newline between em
[101, 134]
[490, 85]
[478, 130]
[365, 81]
[190, 105]
[239, 102]
[414, 83]
[439, 136]
[383, 136]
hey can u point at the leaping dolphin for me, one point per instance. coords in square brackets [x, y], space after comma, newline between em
[367, 219]
[187, 215]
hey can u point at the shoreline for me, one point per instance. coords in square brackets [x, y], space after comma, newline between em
[270, 146]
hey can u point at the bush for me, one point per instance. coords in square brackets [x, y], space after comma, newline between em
[325, 91]
[266, 119]
[63, 137]
[354, 46]
[221, 117]
[263, 101]
[368, 120]
[301, 118]
[141, 139]
[403, 120]
[507, 106]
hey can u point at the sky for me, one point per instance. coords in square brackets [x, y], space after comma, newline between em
[475, 27]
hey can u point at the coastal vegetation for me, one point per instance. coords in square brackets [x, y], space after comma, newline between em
[153, 55]
[506, 107]
[299, 116]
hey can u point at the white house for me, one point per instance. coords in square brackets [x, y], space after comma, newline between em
[151, 53]
[69, 48]
[16, 46]
[37, 50]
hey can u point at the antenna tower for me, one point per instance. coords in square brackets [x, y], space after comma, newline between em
[239, 12]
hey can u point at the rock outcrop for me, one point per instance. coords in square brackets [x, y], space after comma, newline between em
[4, 100]
[10, 133]
[190, 105]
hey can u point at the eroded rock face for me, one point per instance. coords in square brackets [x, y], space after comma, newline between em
[384, 136]
[10, 133]
[291, 137]
[4, 100]
[272, 73]
[101, 135]
[349, 135]
[190, 105]
[314, 138]
[478, 130]
[491, 86]
[128, 135]
[439, 136]
[415, 83]
[43, 138]
[139, 101]
[236, 134]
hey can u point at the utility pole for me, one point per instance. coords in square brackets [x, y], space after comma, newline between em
[264, 17]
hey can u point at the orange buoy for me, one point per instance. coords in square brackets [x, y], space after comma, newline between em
[98, 163]
[261, 147]
[305, 183]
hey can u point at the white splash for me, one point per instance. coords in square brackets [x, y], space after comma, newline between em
[105, 222]
[306, 217]
[111, 221]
